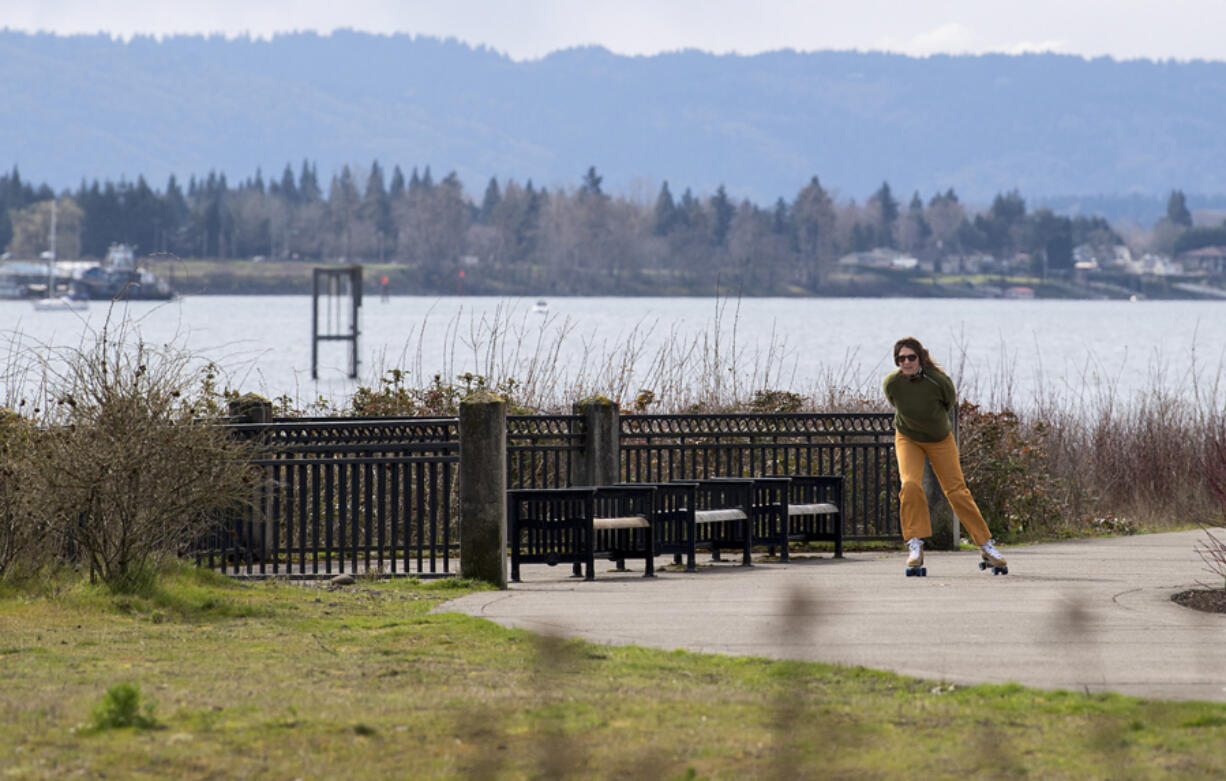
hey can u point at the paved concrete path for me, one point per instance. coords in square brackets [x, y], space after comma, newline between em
[1090, 615]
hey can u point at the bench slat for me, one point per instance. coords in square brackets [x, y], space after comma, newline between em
[714, 516]
[821, 508]
[626, 522]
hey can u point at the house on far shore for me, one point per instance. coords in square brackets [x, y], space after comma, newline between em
[1159, 265]
[883, 257]
[1211, 260]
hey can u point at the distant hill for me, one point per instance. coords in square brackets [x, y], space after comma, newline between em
[1097, 135]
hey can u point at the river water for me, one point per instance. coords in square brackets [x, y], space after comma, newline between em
[1001, 353]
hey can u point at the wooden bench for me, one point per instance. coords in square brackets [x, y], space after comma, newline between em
[578, 525]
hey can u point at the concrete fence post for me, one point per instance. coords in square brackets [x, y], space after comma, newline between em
[600, 461]
[483, 488]
[256, 530]
[250, 408]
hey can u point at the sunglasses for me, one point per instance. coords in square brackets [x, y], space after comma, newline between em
[900, 358]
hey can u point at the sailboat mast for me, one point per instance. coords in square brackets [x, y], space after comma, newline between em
[51, 261]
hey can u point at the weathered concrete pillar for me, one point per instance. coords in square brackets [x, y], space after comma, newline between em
[483, 488]
[250, 408]
[600, 461]
[256, 530]
[946, 530]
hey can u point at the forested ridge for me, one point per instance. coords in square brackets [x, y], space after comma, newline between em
[579, 239]
[1082, 136]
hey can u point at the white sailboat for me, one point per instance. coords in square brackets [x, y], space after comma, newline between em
[54, 303]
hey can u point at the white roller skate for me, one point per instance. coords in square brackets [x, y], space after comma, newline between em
[990, 557]
[915, 560]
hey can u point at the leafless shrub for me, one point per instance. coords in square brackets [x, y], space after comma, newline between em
[126, 467]
[518, 354]
[19, 535]
[1212, 550]
[1140, 459]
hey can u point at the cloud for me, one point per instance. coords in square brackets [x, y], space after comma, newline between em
[949, 37]
[959, 38]
[1034, 47]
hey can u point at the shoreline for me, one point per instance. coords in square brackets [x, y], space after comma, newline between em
[290, 278]
[243, 277]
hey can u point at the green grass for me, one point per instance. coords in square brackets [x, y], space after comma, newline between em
[276, 680]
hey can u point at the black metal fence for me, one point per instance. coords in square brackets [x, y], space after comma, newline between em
[541, 449]
[344, 495]
[354, 495]
[860, 447]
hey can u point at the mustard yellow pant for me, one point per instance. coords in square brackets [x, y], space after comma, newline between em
[913, 505]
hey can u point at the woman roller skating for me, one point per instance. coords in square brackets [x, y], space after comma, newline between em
[922, 396]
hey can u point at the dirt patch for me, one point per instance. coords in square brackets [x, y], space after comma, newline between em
[1207, 600]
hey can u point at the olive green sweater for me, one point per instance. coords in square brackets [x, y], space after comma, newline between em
[921, 403]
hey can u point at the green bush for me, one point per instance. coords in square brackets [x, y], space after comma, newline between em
[120, 707]
[1006, 464]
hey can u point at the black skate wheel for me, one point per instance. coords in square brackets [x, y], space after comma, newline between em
[923, 572]
[983, 565]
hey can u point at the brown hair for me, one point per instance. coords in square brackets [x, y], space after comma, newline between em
[925, 360]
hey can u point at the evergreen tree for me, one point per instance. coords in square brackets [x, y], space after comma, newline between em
[1001, 225]
[343, 205]
[780, 218]
[289, 190]
[375, 188]
[377, 208]
[1053, 240]
[14, 195]
[489, 203]
[914, 230]
[142, 217]
[1177, 209]
[395, 189]
[813, 221]
[887, 209]
[176, 212]
[308, 184]
[723, 210]
[689, 210]
[591, 184]
[665, 213]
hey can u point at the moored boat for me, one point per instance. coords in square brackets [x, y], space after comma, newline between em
[66, 303]
[120, 278]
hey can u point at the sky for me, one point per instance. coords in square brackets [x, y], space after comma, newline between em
[530, 29]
